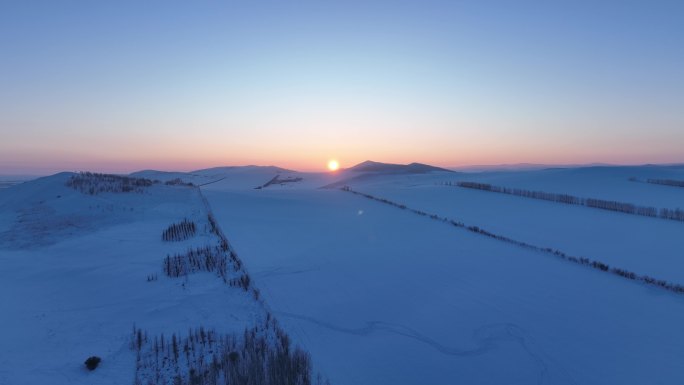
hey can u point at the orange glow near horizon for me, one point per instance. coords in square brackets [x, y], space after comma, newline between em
[306, 155]
[315, 161]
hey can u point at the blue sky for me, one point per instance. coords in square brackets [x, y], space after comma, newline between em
[120, 86]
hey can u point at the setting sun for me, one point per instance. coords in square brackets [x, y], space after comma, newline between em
[333, 165]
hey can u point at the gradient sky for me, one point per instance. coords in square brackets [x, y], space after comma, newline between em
[120, 86]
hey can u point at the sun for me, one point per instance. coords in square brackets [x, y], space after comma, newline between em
[333, 165]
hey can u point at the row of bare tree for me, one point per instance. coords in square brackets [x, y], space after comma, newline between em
[627, 208]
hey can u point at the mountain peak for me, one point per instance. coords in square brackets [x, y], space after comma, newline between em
[379, 167]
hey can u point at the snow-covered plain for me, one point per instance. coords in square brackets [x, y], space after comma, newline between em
[376, 294]
[651, 246]
[11, 180]
[381, 295]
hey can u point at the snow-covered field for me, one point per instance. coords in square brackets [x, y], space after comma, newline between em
[11, 180]
[376, 294]
[80, 271]
[381, 295]
[651, 246]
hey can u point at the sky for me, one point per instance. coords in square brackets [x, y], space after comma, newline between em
[121, 86]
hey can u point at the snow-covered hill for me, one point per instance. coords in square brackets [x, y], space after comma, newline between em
[271, 176]
[391, 168]
[82, 268]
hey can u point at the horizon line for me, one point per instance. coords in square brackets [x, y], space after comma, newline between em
[523, 166]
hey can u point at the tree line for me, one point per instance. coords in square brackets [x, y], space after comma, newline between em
[220, 259]
[178, 182]
[598, 265]
[208, 259]
[261, 355]
[180, 231]
[627, 208]
[666, 182]
[95, 183]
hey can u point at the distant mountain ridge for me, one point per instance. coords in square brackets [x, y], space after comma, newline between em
[244, 168]
[411, 168]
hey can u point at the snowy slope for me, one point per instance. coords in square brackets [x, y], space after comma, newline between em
[651, 246]
[95, 271]
[260, 176]
[381, 295]
[244, 176]
[597, 182]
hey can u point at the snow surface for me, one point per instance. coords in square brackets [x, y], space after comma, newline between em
[78, 290]
[651, 246]
[376, 294]
[601, 182]
[10, 180]
[381, 295]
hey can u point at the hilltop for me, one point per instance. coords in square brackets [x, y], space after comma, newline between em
[411, 168]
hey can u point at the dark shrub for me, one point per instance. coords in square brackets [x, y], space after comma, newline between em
[92, 362]
[233, 356]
